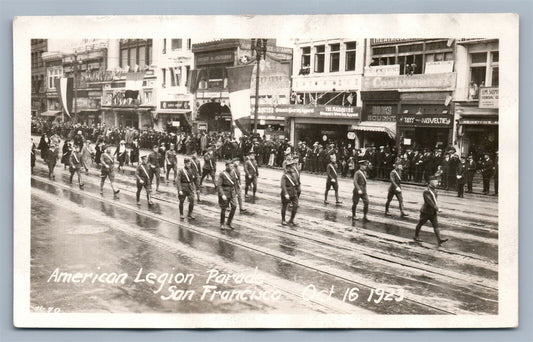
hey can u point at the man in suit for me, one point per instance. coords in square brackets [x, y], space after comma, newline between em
[395, 188]
[251, 172]
[359, 191]
[226, 195]
[487, 168]
[470, 172]
[429, 210]
[75, 165]
[461, 177]
[142, 176]
[332, 181]
[186, 188]
[289, 193]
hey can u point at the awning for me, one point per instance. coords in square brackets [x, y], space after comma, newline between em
[50, 113]
[378, 126]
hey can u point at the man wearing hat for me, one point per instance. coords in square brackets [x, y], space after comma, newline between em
[395, 188]
[289, 193]
[429, 210]
[195, 169]
[226, 195]
[209, 167]
[153, 162]
[171, 161]
[107, 170]
[461, 177]
[332, 173]
[142, 175]
[121, 154]
[487, 168]
[470, 172]
[186, 188]
[359, 191]
[75, 162]
[251, 173]
[79, 139]
[235, 173]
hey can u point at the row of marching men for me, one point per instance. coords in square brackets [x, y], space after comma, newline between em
[228, 184]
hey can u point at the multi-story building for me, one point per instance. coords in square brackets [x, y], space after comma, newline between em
[173, 58]
[212, 108]
[53, 63]
[476, 96]
[407, 89]
[38, 76]
[326, 84]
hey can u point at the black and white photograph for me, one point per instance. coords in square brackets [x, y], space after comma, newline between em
[266, 172]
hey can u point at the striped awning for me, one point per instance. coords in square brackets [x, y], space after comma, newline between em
[378, 126]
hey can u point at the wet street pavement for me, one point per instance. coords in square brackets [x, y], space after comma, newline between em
[93, 253]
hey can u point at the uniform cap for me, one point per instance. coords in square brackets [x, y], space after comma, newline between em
[143, 157]
[187, 160]
[363, 162]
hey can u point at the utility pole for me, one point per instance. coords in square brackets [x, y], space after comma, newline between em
[76, 68]
[260, 47]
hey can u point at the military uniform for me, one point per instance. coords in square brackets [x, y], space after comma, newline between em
[289, 188]
[395, 190]
[332, 176]
[226, 187]
[195, 169]
[75, 167]
[470, 172]
[172, 162]
[107, 172]
[235, 173]
[251, 172]
[359, 192]
[209, 168]
[428, 212]
[153, 162]
[185, 185]
[142, 176]
[487, 167]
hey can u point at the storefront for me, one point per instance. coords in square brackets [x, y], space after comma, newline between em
[477, 131]
[174, 116]
[378, 125]
[322, 123]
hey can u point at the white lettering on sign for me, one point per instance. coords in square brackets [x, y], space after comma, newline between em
[488, 97]
[381, 110]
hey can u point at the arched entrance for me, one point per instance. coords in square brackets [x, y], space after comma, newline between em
[217, 116]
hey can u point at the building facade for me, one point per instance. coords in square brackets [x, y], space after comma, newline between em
[212, 109]
[326, 85]
[407, 93]
[38, 76]
[53, 62]
[476, 97]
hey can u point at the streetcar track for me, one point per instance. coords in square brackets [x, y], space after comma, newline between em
[203, 231]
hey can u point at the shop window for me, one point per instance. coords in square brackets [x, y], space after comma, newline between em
[176, 44]
[334, 57]
[320, 58]
[350, 56]
[306, 60]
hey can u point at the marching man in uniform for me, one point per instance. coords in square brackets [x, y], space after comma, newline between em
[395, 189]
[429, 211]
[235, 173]
[107, 170]
[332, 173]
[251, 172]
[289, 193]
[153, 162]
[76, 165]
[186, 188]
[359, 191]
[226, 196]
[209, 167]
[171, 161]
[196, 172]
[143, 180]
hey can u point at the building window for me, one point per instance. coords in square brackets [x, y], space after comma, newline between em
[306, 60]
[478, 75]
[135, 52]
[484, 69]
[176, 44]
[164, 78]
[142, 56]
[334, 57]
[189, 44]
[123, 58]
[495, 77]
[320, 52]
[350, 56]
[164, 46]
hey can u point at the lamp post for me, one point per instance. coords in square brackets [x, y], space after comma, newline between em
[259, 46]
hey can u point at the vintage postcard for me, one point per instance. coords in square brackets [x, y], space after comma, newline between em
[332, 171]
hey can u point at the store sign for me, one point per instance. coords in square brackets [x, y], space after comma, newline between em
[479, 122]
[310, 111]
[433, 81]
[214, 58]
[175, 105]
[383, 70]
[488, 97]
[350, 135]
[439, 67]
[381, 113]
[175, 123]
[425, 120]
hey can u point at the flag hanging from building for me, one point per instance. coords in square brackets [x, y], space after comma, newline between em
[239, 82]
[65, 89]
[134, 80]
